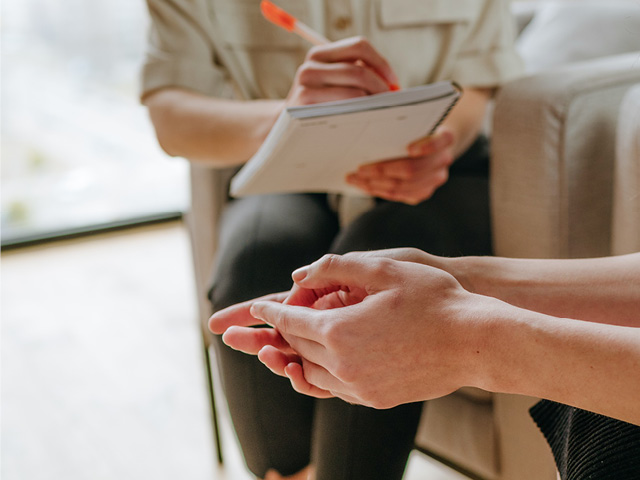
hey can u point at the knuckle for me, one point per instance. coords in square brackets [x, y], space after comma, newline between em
[334, 336]
[443, 176]
[383, 267]
[281, 321]
[345, 373]
[306, 73]
[361, 43]
[327, 261]
[314, 52]
[408, 169]
[359, 72]
[305, 96]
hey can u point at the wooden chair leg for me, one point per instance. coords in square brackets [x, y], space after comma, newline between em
[212, 401]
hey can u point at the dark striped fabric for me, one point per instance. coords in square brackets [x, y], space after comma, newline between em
[588, 446]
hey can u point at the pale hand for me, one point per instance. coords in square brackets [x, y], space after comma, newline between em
[412, 179]
[341, 70]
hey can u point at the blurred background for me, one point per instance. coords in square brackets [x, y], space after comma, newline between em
[102, 375]
[77, 149]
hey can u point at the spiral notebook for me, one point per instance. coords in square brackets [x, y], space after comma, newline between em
[312, 148]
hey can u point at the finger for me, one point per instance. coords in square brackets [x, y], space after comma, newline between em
[251, 340]
[347, 272]
[397, 190]
[300, 376]
[324, 298]
[383, 183]
[240, 314]
[289, 320]
[276, 360]
[357, 75]
[352, 50]
[305, 297]
[310, 96]
[398, 194]
[308, 349]
[295, 374]
[407, 194]
[406, 168]
[441, 139]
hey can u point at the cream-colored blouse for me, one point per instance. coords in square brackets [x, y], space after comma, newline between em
[225, 47]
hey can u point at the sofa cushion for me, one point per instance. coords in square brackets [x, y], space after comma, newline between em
[566, 32]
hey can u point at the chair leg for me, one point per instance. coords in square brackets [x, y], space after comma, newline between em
[212, 401]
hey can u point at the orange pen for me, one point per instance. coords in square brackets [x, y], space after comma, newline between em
[285, 20]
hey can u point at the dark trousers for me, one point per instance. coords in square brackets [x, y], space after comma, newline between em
[263, 239]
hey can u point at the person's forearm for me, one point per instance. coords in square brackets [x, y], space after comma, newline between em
[591, 366]
[605, 290]
[209, 130]
[467, 118]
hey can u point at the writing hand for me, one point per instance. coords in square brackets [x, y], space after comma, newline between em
[412, 179]
[340, 70]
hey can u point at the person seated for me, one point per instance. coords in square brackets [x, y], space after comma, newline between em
[217, 76]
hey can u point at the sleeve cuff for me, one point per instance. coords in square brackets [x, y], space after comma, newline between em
[186, 74]
[489, 70]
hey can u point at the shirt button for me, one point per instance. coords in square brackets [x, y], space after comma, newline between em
[342, 23]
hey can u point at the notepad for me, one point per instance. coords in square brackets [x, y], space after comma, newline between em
[312, 148]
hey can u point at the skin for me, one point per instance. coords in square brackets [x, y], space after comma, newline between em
[224, 133]
[398, 326]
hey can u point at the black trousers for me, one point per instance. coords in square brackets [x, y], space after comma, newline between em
[263, 239]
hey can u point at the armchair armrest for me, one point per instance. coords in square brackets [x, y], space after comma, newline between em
[553, 153]
[626, 197]
[209, 189]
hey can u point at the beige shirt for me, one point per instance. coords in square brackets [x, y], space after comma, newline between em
[222, 47]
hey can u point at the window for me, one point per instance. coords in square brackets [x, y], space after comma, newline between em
[78, 151]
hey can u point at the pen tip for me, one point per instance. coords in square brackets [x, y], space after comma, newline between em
[277, 16]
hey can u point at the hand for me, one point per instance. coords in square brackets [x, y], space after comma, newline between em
[235, 321]
[412, 179]
[236, 318]
[399, 342]
[340, 70]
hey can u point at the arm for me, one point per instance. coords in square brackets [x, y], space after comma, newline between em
[207, 129]
[455, 339]
[228, 132]
[604, 290]
[592, 366]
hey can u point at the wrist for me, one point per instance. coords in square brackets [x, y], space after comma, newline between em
[508, 343]
[269, 112]
[466, 270]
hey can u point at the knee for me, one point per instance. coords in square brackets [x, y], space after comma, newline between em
[250, 270]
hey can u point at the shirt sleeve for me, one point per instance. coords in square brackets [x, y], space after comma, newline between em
[488, 57]
[180, 51]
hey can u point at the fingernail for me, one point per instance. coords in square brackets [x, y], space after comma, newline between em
[300, 274]
[394, 87]
[416, 150]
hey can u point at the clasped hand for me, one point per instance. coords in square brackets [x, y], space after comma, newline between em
[357, 327]
[353, 68]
